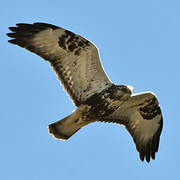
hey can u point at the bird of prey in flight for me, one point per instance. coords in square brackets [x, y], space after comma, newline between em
[77, 64]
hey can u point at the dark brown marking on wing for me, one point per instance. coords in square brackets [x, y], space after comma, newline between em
[72, 42]
[72, 46]
[150, 110]
[62, 42]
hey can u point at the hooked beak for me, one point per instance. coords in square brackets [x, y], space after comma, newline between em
[130, 88]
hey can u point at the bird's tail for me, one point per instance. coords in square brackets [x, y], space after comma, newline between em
[66, 127]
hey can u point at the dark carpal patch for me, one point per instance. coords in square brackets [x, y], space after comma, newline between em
[72, 42]
[62, 42]
[72, 46]
[150, 110]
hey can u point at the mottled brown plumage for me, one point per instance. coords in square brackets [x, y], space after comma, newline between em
[76, 62]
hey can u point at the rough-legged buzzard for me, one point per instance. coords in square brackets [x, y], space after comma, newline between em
[78, 67]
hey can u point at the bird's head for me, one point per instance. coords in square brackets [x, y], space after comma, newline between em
[123, 91]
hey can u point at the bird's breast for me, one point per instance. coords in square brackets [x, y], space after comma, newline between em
[103, 104]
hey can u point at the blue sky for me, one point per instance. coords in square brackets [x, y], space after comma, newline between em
[139, 45]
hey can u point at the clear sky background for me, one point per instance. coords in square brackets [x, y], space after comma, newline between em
[139, 45]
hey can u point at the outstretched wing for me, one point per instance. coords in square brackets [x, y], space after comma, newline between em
[74, 59]
[142, 117]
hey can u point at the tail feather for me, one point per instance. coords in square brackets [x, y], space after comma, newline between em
[66, 127]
